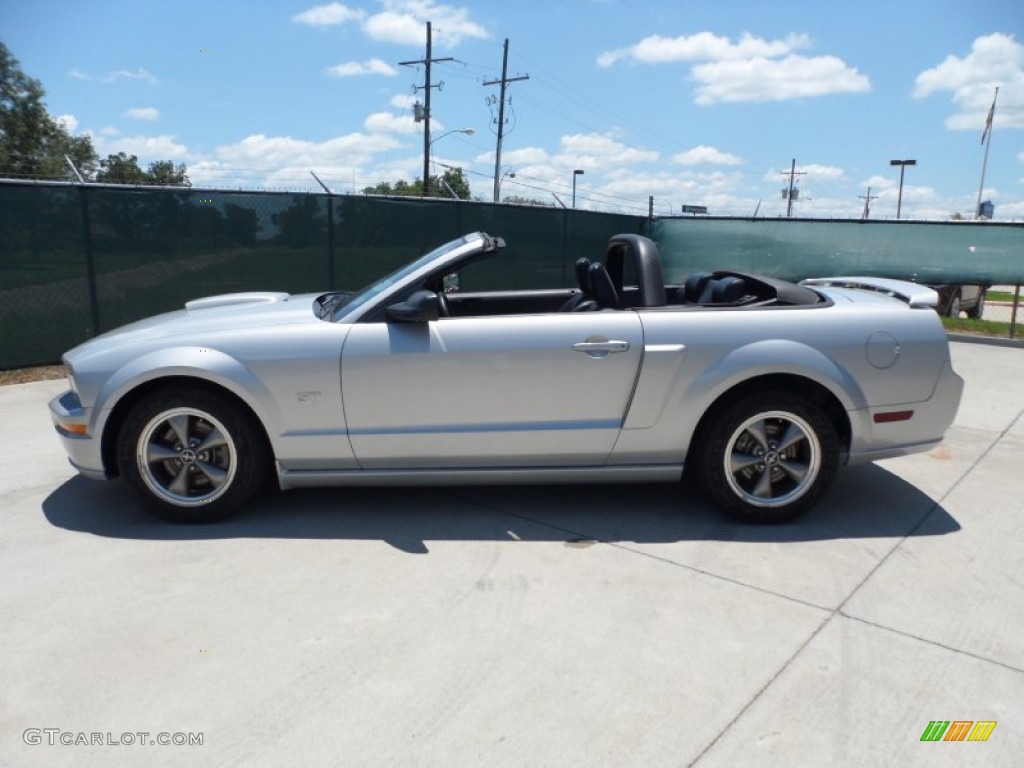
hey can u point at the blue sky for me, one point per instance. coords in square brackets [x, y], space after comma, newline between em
[693, 103]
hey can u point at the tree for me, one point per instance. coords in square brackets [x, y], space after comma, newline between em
[124, 169]
[518, 200]
[121, 169]
[33, 144]
[167, 173]
[453, 179]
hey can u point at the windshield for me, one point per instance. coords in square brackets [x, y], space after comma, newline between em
[375, 289]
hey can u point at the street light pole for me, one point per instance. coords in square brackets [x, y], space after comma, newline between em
[903, 167]
[426, 179]
[575, 173]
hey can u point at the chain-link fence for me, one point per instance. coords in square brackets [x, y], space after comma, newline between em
[78, 260]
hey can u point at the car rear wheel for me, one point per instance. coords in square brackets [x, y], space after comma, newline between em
[769, 458]
[195, 456]
[953, 307]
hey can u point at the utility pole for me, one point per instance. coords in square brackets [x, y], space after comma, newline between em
[427, 60]
[793, 173]
[867, 204]
[505, 80]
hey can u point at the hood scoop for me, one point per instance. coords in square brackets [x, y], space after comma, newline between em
[235, 299]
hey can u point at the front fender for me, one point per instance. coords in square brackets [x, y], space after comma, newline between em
[194, 362]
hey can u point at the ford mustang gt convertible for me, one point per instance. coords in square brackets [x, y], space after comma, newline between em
[758, 387]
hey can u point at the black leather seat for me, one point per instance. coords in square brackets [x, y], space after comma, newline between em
[728, 290]
[694, 286]
[582, 301]
[603, 288]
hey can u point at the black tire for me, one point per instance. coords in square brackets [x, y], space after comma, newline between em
[195, 456]
[978, 309]
[953, 307]
[768, 458]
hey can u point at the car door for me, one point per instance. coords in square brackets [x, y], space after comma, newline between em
[513, 391]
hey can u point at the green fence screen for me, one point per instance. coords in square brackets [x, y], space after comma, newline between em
[76, 261]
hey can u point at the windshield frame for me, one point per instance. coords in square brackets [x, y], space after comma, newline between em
[393, 282]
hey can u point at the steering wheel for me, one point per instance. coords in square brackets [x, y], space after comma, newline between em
[442, 305]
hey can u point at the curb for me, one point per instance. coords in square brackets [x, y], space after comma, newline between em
[996, 341]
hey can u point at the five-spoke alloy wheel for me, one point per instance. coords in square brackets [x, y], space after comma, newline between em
[768, 458]
[196, 455]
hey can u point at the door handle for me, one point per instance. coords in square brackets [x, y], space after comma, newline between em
[600, 348]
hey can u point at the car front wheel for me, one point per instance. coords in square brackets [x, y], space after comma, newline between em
[769, 458]
[194, 455]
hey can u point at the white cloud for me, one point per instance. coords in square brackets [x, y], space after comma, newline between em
[594, 150]
[814, 172]
[823, 172]
[387, 122]
[146, 148]
[403, 21]
[703, 46]
[78, 74]
[357, 68]
[328, 15]
[994, 60]
[704, 155]
[139, 73]
[403, 100]
[760, 79]
[878, 183]
[67, 122]
[143, 113]
[516, 158]
[260, 151]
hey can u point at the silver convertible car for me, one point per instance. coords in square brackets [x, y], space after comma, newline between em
[759, 387]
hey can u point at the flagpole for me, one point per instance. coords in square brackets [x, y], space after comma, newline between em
[987, 138]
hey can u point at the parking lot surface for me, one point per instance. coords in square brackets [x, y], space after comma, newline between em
[564, 626]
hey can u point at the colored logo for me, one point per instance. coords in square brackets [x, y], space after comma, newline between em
[958, 730]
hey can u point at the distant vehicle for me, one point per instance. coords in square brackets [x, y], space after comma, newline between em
[954, 299]
[760, 387]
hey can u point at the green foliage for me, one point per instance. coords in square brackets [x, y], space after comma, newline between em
[453, 179]
[33, 144]
[168, 174]
[121, 169]
[517, 200]
[124, 169]
[979, 327]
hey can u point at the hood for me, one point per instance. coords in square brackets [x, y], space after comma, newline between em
[231, 311]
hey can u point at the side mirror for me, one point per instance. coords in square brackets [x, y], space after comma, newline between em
[420, 307]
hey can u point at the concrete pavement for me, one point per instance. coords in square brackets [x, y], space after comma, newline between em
[568, 626]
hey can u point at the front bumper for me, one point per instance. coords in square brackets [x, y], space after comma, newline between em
[72, 423]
